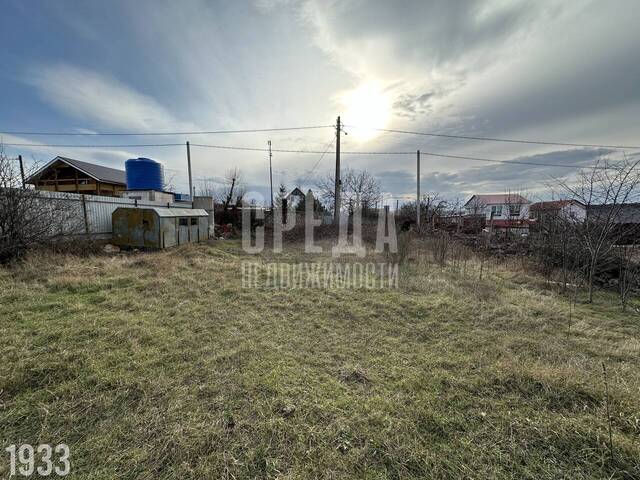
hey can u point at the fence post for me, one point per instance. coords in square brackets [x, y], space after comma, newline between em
[86, 216]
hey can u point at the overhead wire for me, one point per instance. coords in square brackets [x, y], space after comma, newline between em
[324, 152]
[495, 139]
[316, 152]
[310, 172]
[197, 132]
[513, 162]
[432, 154]
[311, 127]
[70, 145]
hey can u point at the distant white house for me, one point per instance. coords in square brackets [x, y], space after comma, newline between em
[565, 209]
[503, 209]
[295, 198]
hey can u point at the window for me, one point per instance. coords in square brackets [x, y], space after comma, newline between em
[514, 210]
[183, 222]
[194, 221]
[496, 211]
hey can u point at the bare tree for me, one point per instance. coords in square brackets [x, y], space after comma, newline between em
[476, 207]
[439, 243]
[553, 239]
[475, 215]
[450, 216]
[169, 182]
[209, 188]
[325, 186]
[454, 207]
[361, 189]
[432, 207]
[281, 195]
[605, 190]
[233, 188]
[29, 218]
[358, 189]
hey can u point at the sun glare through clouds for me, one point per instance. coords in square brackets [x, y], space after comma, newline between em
[366, 108]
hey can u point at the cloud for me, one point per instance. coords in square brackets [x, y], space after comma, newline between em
[412, 105]
[422, 46]
[496, 177]
[547, 70]
[543, 70]
[416, 36]
[38, 154]
[98, 98]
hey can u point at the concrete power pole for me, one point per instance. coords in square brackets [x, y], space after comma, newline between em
[189, 167]
[418, 191]
[336, 213]
[270, 176]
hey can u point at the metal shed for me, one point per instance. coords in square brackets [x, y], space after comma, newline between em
[156, 227]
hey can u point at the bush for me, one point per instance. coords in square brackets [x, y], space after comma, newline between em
[439, 246]
[29, 219]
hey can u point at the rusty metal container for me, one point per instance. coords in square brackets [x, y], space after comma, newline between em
[156, 227]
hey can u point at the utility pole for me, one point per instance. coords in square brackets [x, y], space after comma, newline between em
[189, 167]
[270, 175]
[418, 191]
[386, 220]
[336, 213]
[24, 186]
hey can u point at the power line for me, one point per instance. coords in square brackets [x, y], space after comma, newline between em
[508, 140]
[315, 152]
[133, 145]
[310, 172]
[513, 162]
[122, 134]
[422, 152]
[282, 150]
[130, 145]
[311, 127]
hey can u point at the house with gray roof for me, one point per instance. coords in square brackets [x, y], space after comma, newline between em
[68, 175]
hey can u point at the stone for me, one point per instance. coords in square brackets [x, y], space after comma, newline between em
[108, 248]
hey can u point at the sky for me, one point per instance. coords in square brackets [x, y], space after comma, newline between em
[557, 71]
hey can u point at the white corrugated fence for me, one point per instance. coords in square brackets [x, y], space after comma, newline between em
[96, 210]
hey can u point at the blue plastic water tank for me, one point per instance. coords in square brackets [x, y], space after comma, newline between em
[144, 174]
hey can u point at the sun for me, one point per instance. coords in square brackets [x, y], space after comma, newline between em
[367, 107]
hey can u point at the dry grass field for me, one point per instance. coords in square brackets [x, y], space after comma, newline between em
[160, 366]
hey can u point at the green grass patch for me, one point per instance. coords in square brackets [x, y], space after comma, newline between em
[159, 366]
